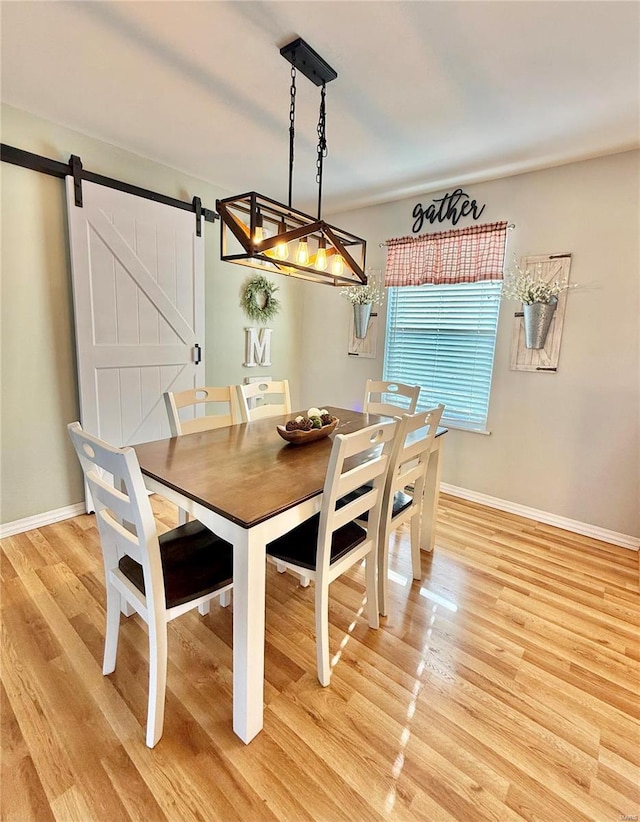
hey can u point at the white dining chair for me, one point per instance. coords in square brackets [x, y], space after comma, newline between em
[221, 399]
[264, 394]
[390, 398]
[160, 577]
[407, 470]
[328, 544]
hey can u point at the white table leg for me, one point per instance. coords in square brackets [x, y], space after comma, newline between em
[249, 579]
[431, 496]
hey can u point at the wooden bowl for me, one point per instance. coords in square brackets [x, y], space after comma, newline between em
[304, 437]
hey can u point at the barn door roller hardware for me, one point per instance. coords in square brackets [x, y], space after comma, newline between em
[74, 168]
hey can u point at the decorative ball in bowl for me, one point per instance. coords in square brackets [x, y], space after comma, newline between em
[315, 426]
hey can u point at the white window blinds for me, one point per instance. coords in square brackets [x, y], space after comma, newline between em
[442, 337]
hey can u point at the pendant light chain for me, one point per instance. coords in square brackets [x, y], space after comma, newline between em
[292, 129]
[259, 232]
[322, 146]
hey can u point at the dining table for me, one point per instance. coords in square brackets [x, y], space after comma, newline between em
[250, 486]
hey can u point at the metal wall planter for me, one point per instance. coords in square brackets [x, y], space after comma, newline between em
[537, 320]
[361, 317]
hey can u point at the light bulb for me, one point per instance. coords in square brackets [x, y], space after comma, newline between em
[302, 254]
[337, 267]
[321, 255]
[258, 232]
[282, 248]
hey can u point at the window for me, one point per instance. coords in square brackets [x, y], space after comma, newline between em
[443, 337]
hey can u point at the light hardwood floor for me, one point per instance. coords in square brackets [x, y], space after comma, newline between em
[503, 686]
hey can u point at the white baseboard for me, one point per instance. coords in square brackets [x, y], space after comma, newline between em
[584, 528]
[577, 527]
[40, 520]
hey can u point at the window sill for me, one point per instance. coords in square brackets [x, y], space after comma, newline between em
[460, 426]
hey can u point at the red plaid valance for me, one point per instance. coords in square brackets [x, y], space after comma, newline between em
[465, 255]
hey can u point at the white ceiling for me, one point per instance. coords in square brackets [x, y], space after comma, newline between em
[429, 95]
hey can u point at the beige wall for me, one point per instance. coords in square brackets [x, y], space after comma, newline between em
[566, 443]
[39, 470]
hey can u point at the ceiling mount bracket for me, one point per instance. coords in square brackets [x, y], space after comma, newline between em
[308, 61]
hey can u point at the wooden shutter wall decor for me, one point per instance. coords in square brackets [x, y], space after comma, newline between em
[543, 360]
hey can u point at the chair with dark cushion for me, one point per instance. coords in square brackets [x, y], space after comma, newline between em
[404, 490]
[325, 546]
[159, 577]
[263, 394]
[222, 399]
[390, 399]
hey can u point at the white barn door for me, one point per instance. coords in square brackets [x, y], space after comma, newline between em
[138, 289]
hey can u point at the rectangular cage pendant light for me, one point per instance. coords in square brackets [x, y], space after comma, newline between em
[262, 233]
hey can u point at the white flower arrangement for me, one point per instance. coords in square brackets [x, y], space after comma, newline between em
[362, 294]
[530, 288]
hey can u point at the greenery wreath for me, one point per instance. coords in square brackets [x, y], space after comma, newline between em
[258, 300]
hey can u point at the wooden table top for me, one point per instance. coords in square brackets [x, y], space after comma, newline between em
[246, 473]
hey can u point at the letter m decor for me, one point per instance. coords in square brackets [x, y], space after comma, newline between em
[258, 347]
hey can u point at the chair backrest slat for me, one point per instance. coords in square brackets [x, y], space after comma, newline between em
[112, 528]
[197, 399]
[259, 391]
[410, 456]
[390, 398]
[373, 444]
[356, 508]
[123, 512]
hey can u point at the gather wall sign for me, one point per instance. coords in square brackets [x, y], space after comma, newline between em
[452, 206]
